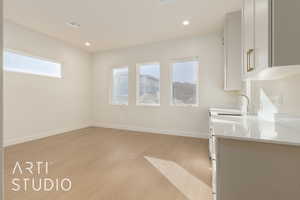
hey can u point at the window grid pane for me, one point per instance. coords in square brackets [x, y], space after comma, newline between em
[26, 64]
[120, 86]
[149, 84]
[185, 83]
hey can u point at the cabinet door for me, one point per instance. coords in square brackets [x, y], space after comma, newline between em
[248, 37]
[262, 34]
[233, 48]
[285, 32]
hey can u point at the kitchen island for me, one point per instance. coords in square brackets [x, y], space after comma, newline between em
[254, 158]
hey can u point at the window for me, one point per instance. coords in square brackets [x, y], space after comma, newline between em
[120, 86]
[16, 62]
[185, 83]
[148, 84]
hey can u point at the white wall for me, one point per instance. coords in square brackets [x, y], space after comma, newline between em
[1, 103]
[163, 119]
[38, 106]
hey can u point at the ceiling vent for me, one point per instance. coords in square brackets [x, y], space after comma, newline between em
[73, 24]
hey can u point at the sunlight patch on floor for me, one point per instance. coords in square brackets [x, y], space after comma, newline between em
[189, 185]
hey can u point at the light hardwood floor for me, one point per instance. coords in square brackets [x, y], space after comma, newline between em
[113, 164]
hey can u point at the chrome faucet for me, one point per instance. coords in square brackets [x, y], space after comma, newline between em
[248, 101]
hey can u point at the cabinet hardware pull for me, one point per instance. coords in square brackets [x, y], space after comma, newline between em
[247, 61]
[249, 68]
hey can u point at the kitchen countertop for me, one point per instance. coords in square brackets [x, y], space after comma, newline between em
[285, 130]
[225, 110]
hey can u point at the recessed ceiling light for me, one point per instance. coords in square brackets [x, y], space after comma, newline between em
[87, 44]
[186, 22]
[73, 24]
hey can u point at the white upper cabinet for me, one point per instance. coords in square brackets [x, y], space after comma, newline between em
[286, 32]
[232, 52]
[271, 42]
[261, 34]
[248, 36]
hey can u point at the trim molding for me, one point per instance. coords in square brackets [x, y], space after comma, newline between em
[153, 130]
[13, 141]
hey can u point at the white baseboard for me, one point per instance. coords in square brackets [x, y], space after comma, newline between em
[152, 130]
[13, 141]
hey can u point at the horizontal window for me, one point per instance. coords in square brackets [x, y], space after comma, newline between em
[148, 84]
[120, 86]
[185, 83]
[16, 62]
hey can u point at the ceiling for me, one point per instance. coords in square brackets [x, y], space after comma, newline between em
[111, 24]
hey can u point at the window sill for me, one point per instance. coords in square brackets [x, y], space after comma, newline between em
[185, 106]
[148, 105]
[118, 104]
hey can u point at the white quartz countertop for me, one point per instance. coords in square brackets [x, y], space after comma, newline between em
[225, 110]
[285, 130]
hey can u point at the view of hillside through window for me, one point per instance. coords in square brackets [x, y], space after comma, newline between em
[149, 84]
[120, 86]
[184, 83]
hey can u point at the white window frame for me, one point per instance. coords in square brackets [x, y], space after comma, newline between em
[182, 60]
[137, 83]
[27, 54]
[112, 84]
